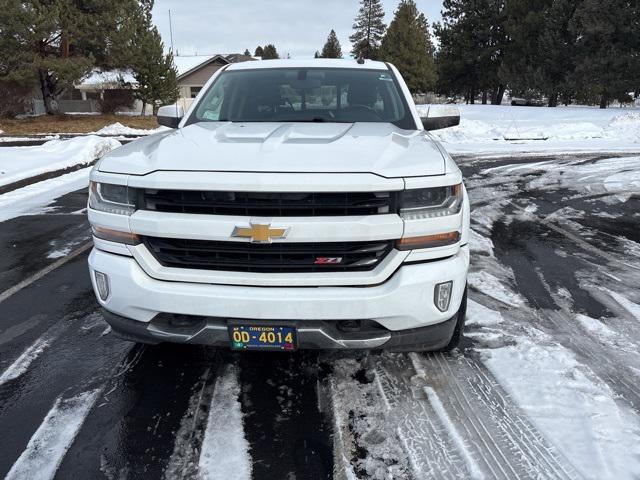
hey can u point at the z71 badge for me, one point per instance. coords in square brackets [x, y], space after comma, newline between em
[328, 260]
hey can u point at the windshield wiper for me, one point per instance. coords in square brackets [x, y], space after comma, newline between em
[285, 120]
[311, 120]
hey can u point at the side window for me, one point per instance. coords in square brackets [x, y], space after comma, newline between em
[195, 91]
[210, 108]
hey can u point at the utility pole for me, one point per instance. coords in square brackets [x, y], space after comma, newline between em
[170, 31]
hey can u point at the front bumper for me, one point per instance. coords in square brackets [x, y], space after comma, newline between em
[311, 334]
[404, 302]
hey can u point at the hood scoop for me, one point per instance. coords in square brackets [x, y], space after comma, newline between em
[260, 132]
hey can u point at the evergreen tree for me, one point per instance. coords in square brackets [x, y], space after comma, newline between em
[332, 48]
[524, 24]
[407, 44]
[247, 53]
[607, 41]
[471, 49]
[369, 28]
[57, 42]
[155, 73]
[317, 54]
[259, 51]
[269, 52]
[555, 73]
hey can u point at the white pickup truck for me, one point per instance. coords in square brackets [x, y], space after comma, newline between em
[297, 204]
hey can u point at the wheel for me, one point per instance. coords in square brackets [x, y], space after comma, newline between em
[458, 332]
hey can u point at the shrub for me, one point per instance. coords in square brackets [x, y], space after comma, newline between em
[13, 98]
[117, 99]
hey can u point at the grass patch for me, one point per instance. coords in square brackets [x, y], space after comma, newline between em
[71, 123]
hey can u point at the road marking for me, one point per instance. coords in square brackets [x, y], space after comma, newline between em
[38, 275]
[50, 443]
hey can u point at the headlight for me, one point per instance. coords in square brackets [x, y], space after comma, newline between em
[430, 202]
[110, 198]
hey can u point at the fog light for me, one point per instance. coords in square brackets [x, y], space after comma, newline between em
[102, 284]
[442, 295]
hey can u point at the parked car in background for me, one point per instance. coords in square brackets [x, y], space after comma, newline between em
[527, 102]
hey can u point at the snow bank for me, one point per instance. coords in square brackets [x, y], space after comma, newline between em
[19, 163]
[34, 198]
[501, 128]
[119, 129]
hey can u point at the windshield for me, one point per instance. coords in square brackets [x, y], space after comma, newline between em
[305, 95]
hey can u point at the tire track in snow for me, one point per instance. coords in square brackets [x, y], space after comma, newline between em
[430, 449]
[49, 444]
[187, 447]
[499, 434]
[455, 421]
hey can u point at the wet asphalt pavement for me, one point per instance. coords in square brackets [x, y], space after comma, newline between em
[151, 404]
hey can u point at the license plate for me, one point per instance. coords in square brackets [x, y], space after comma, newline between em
[263, 337]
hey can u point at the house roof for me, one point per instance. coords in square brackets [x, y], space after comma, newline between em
[185, 64]
[188, 63]
[106, 79]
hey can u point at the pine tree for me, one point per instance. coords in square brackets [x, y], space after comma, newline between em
[316, 55]
[247, 53]
[155, 74]
[606, 49]
[407, 44]
[259, 51]
[471, 48]
[332, 48]
[369, 28]
[269, 52]
[57, 42]
[558, 42]
[524, 23]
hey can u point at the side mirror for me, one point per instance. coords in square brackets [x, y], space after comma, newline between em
[170, 115]
[441, 116]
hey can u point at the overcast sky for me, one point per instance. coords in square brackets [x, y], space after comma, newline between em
[297, 27]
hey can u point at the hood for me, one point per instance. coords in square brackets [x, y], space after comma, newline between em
[378, 148]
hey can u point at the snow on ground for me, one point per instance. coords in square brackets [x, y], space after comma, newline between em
[225, 450]
[491, 286]
[502, 129]
[49, 444]
[35, 198]
[19, 163]
[11, 138]
[616, 179]
[120, 129]
[22, 363]
[571, 406]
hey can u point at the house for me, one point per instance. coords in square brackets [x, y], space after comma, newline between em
[195, 70]
[193, 73]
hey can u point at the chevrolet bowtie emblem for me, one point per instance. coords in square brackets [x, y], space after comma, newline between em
[260, 233]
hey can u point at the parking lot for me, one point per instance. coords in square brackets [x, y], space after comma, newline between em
[546, 385]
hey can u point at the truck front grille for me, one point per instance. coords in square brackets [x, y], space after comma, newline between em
[268, 258]
[268, 204]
